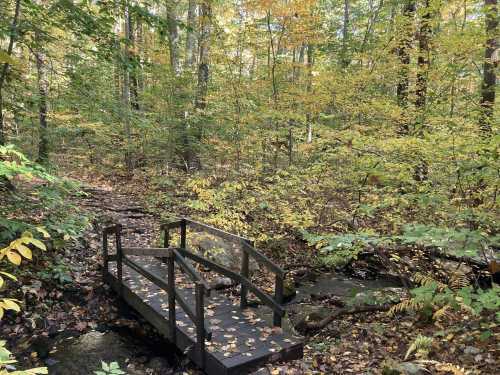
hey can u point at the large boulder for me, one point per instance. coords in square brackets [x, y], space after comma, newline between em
[218, 250]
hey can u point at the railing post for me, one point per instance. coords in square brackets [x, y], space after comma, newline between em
[119, 256]
[278, 295]
[183, 233]
[171, 295]
[105, 254]
[245, 273]
[200, 322]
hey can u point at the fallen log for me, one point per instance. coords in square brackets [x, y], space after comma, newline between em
[305, 327]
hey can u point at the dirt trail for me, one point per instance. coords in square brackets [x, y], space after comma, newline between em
[64, 321]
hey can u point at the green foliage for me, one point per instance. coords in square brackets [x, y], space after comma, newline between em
[13, 163]
[459, 242]
[433, 300]
[112, 368]
[56, 271]
[6, 359]
[339, 250]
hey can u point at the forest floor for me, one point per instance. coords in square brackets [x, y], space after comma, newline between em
[366, 343]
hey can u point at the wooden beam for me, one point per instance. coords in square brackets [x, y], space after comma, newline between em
[164, 285]
[216, 232]
[171, 225]
[152, 251]
[261, 258]
[111, 229]
[269, 301]
[187, 268]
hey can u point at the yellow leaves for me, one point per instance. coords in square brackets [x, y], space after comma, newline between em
[18, 248]
[43, 231]
[14, 257]
[5, 58]
[8, 304]
[6, 275]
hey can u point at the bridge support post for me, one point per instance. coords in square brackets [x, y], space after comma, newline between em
[200, 322]
[183, 233]
[171, 295]
[245, 273]
[278, 295]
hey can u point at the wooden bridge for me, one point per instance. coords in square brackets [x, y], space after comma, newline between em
[162, 285]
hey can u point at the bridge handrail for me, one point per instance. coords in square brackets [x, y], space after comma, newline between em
[247, 250]
[198, 316]
[161, 252]
[269, 301]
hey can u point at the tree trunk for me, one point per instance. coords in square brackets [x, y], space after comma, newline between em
[204, 46]
[126, 92]
[344, 59]
[403, 52]
[43, 88]
[423, 56]
[134, 82]
[191, 34]
[310, 63]
[5, 66]
[173, 36]
[489, 65]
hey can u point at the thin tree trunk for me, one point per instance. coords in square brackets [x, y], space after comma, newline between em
[345, 59]
[192, 159]
[134, 83]
[173, 36]
[310, 63]
[204, 46]
[43, 88]
[191, 34]
[423, 60]
[5, 66]
[490, 63]
[126, 92]
[403, 52]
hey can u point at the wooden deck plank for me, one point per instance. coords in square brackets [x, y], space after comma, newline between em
[239, 339]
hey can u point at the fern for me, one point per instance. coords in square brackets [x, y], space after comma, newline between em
[458, 280]
[441, 313]
[426, 280]
[421, 345]
[408, 305]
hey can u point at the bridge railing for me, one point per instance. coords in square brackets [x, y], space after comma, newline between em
[172, 256]
[243, 278]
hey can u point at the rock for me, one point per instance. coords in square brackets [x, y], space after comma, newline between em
[83, 355]
[410, 368]
[261, 371]
[160, 366]
[404, 368]
[471, 350]
[304, 275]
[304, 314]
[222, 252]
[222, 283]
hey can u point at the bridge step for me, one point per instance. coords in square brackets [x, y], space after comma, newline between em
[240, 339]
